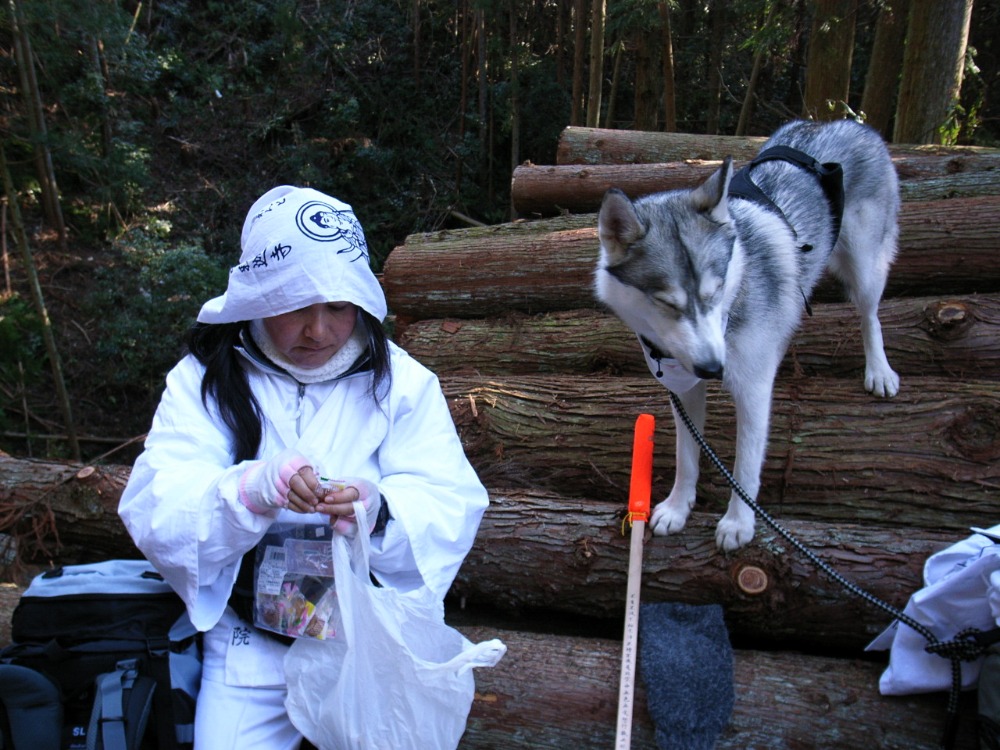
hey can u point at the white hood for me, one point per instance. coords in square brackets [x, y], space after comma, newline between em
[300, 247]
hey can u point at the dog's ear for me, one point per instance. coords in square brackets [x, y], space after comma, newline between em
[618, 225]
[711, 197]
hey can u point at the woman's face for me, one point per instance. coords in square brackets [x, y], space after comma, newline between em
[308, 337]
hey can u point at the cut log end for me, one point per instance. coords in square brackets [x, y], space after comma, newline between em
[752, 580]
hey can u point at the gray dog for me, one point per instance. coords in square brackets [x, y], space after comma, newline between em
[714, 280]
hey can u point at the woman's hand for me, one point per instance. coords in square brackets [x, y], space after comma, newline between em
[339, 504]
[286, 480]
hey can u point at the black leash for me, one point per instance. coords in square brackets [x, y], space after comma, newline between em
[968, 645]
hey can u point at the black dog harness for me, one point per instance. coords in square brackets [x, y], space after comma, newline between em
[830, 176]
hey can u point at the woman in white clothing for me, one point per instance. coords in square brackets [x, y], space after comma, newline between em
[290, 376]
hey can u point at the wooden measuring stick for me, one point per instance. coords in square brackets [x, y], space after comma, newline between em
[640, 488]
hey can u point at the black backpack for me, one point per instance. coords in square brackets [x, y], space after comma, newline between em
[103, 656]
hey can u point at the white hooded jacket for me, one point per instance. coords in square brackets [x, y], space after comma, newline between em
[182, 505]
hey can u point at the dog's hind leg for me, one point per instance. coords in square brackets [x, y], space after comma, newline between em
[670, 516]
[864, 274]
[880, 378]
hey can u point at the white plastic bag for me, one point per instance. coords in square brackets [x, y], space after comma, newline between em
[394, 676]
[961, 590]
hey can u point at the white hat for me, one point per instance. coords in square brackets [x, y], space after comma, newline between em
[300, 247]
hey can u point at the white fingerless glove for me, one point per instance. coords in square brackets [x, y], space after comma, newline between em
[264, 486]
[369, 497]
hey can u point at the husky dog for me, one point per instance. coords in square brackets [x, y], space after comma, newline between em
[714, 280]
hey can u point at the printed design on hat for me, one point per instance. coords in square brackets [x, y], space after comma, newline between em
[267, 209]
[262, 260]
[322, 222]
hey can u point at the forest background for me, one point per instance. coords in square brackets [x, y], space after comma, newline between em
[135, 135]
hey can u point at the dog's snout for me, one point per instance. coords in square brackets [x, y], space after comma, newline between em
[709, 370]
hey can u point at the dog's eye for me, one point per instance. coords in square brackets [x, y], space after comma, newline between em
[668, 305]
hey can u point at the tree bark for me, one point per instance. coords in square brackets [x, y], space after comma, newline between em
[63, 513]
[647, 78]
[596, 62]
[669, 89]
[826, 701]
[930, 457]
[548, 190]
[616, 74]
[38, 300]
[828, 65]
[579, 36]
[551, 692]
[925, 336]
[885, 66]
[566, 558]
[564, 561]
[746, 109]
[36, 120]
[718, 24]
[933, 62]
[946, 247]
[601, 146]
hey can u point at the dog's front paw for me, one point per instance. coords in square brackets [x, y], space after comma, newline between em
[733, 533]
[881, 381]
[669, 517]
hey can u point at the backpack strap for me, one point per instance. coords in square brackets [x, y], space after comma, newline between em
[159, 670]
[122, 703]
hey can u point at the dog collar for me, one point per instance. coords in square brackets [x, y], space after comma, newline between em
[666, 369]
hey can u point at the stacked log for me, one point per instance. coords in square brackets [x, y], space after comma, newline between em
[578, 188]
[946, 247]
[568, 558]
[545, 387]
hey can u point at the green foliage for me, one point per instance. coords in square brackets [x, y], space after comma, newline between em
[144, 301]
[191, 109]
[22, 350]
[99, 74]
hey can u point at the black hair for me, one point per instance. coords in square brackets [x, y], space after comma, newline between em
[226, 381]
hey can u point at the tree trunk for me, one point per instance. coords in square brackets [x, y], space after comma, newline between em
[540, 556]
[930, 457]
[955, 337]
[63, 513]
[515, 95]
[579, 37]
[596, 62]
[946, 247]
[885, 66]
[669, 90]
[38, 300]
[828, 66]
[416, 43]
[616, 70]
[551, 692]
[601, 146]
[825, 701]
[746, 109]
[936, 38]
[718, 21]
[549, 190]
[565, 557]
[647, 74]
[479, 19]
[36, 120]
